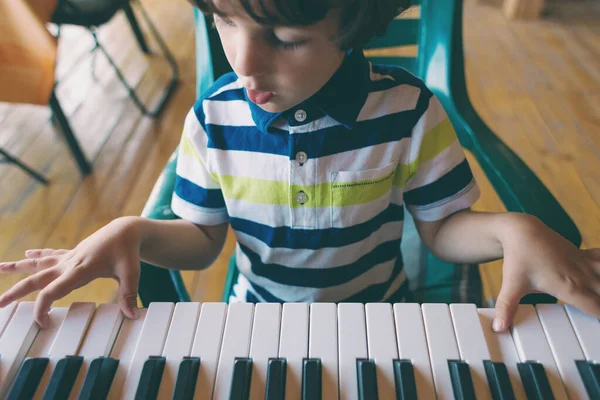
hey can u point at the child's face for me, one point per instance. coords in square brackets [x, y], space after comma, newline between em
[279, 66]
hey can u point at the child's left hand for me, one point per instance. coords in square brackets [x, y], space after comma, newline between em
[537, 259]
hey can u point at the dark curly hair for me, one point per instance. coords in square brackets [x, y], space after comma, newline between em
[361, 20]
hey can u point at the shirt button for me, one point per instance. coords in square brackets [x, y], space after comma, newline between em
[301, 157]
[300, 115]
[301, 197]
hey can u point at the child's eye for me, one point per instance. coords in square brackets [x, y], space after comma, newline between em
[220, 20]
[275, 41]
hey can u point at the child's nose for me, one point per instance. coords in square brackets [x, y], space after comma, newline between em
[252, 58]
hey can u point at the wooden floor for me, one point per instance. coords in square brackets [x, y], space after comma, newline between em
[537, 85]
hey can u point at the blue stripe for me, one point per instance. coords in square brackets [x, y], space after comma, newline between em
[377, 291]
[322, 277]
[264, 293]
[294, 238]
[197, 195]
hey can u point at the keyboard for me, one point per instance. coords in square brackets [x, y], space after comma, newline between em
[298, 351]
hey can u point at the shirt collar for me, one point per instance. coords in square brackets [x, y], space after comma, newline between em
[341, 98]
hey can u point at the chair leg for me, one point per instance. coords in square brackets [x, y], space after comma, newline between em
[174, 69]
[65, 128]
[136, 28]
[14, 160]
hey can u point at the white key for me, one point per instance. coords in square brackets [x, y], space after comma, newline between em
[68, 340]
[236, 343]
[381, 345]
[264, 345]
[293, 346]
[98, 341]
[531, 345]
[502, 349]
[15, 342]
[178, 344]
[6, 314]
[352, 339]
[323, 344]
[123, 350]
[587, 329]
[151, 343]
[564, 346]
[412, 345]
[471, 345]
[207, 345]
[442, 346]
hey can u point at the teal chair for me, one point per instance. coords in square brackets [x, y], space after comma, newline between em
[440, 63]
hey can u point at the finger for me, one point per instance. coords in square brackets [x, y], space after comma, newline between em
[56, 290]
[29, 265]
[128, 290]
[28, 285]
[36, 253]
[507, 303]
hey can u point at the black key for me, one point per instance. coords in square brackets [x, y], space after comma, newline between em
[28, 378]
[187, 376]
[499, 380]
[535, 381]
[240, 384]
[311, 379]
[367, 379]
[63, 378]
[150, 378]
[276, 379]
[404, 375]
[590, 374]
[462, 383]
[98, 379]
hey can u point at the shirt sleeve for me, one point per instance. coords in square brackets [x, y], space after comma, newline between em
[197, 196]
[440, 179]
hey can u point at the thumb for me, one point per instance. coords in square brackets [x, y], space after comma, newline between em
[507, 303]
[128, 291]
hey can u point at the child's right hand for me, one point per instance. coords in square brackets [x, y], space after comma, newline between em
[111, 252]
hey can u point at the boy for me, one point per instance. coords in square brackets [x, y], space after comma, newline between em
[313, 155]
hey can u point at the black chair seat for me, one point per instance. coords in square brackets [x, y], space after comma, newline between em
[86, 12]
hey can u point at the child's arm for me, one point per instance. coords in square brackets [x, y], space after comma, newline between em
[536, 259]
[114, 251]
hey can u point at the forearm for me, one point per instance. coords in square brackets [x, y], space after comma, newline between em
[475, 237]
[177, 244]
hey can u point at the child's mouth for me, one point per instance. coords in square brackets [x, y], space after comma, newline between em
[259, 97]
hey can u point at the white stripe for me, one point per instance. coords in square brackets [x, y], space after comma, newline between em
[230, 86]
[391, 101]
[228, 113]
[190, 169]
[197, 215]
[445, 207]
[323, 257]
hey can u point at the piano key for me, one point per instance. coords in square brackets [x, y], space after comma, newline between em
[150, 378]
[63, 378]
[151, 343]
[564, 345]
[264, 345]
[98, 341]
[178, 344]
[68, 339]
[352, 339]
[207, 347]
[235, 344]
[587, 329]
[412, 345]
[99, 378]
[6, 314]
[535, 381]
[471, 345]
[29, 377]
[367, 379]
[15, 342]
[240, 382]
[123, 350]
[590, 373]
[442, 346]
[502, 349]
[276, 376]
[531, 345]
[323, 350]
[381, 346]
[185, 386]
[404, 376]
[293, 346]
[462, 382]
[312, 380]
[499, 380]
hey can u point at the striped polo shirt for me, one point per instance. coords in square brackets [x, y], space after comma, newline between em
[316, 195]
